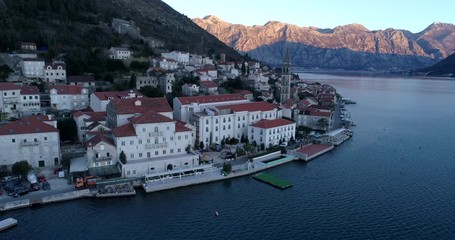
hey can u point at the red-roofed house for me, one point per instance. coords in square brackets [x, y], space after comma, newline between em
[17, 100]
[83, 80]
[30, 139]
[271, 132]
[99, 100]
[245, 93]
[313, 118]
[185, 107]
[85, 119]
[102, 156]
[120, 110]
[208, 87]
[66, 97]
[30, 99]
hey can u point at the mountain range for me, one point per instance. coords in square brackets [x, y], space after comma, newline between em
[349, 47]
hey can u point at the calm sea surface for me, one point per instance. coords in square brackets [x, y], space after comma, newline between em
[395, 179]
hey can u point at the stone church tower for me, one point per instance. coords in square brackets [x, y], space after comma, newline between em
[286, 76]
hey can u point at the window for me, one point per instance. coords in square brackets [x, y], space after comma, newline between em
[143, 129]
[148, 140]
[179, 137]
[224, 120]
[156, 153]
[172, 139]
[206, 121]
[171, 151]
[25, 97]
[102, 147]
[140, 155]
[207, 129]
[156, 140]
[224, 127]
[123, 143]
[140, 141]
[13, 140]
[128, 172]
[179, 150]
[164, 151]
[164, 139]
[156, 129]
[45, 138]
[148, 154]
[35, 140]
[25, 140]
[132, 155]
[131, 142]
[186, 136]
[216, 121]
[134, 172]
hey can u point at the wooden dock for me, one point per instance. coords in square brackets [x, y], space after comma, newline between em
[272, 180]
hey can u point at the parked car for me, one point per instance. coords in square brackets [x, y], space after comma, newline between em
[41, 178]
[35, 186]
[21, 192]
[16, 190]
[46, 186]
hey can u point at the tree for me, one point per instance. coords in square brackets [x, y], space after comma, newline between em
[66, 162]
[151, 92]
[201, 145]
[122, 157]
[132, 83]
[188, 149]
[68, 130]
[227, 168]
[21, 168]
[5, 70]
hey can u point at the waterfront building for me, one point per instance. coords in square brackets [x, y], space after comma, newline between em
[66, 97]
[99, 100]
[35, 139]
[230, 121]
[153, 142]
[102, 160]
[185, 107]
[271, 132]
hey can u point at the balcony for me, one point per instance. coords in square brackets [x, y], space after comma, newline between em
[105, 158]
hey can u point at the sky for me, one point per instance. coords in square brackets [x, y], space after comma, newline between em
[412, 15]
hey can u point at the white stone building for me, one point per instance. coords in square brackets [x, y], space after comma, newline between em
[33, 67]
[185, 107]
[119, 53]
[208, 87]
[189, 89]
[16, 101]
[180, 57]
[65, 97]
[152, 143]
[271, 132]
[230, 121]
[35, 139]
[99, 100]
[55, 72]
[102, 159]
[168, 64]
[30, 99]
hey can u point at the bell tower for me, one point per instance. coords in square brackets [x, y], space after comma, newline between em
[285, 93]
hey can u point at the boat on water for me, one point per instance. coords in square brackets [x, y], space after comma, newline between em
[7, 223]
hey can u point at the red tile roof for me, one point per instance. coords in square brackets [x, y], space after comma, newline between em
[140, 105]
[94, 116]
[115, 94]
[210, 99]
[179, 127]
[243, 91]
[99, 137]
[4, 86]
[250, 107]
[126, 130]
[29, 90]
[265, 123]
[26, 126]
[83, 78]
[208, 84]
[312, 149]
[42, 118]
[150, 117]
[67, 89]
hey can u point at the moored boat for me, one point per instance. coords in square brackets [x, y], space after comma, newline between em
[7, 223]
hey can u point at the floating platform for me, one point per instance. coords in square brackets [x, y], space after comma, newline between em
[272, 180]
[7, 223]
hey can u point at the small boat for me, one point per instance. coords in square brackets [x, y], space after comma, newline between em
[216, 213]
[7, 223]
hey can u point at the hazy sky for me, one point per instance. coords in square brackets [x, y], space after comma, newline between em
[413, 15]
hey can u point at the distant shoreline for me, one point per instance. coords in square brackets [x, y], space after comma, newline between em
[372, 74]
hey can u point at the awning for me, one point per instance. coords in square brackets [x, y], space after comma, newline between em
[104, 171]
[78, 164]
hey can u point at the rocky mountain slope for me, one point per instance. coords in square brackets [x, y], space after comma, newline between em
[74, 26]
[445, 68]
[348, 47]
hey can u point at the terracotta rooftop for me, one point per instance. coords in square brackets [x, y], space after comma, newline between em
[312, 149]
[126, 130]
[179, 127]
[250, 107]
[29, 90]
[210, 98]
[149, 117]
[4, 86]
[26, 126]
[208, 84]
[99, 137]
[265, 123]
[94, 116]
[243, 91]
[116, 94]
[140, 105]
